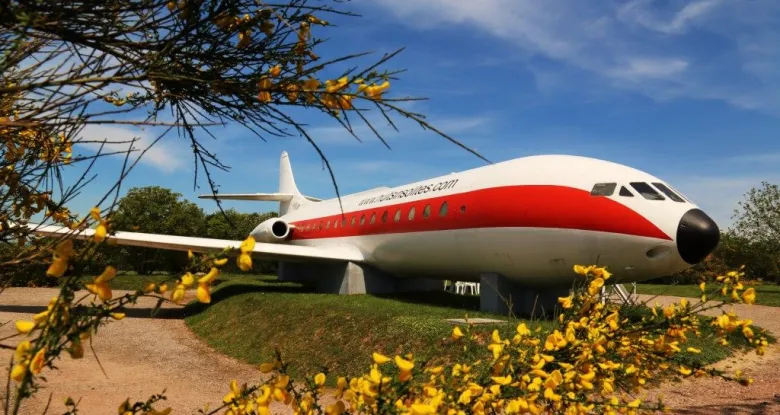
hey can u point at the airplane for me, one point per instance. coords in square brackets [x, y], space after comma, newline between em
[520, 225]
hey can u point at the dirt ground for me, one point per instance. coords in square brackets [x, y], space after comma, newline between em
[143, 356]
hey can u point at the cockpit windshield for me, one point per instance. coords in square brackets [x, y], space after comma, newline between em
[668, 192]
[603, 189]
[646, 191]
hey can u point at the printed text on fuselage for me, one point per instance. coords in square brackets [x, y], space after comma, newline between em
[412, 191]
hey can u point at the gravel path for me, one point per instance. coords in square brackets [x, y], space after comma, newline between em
[716, 396]
[143, 356]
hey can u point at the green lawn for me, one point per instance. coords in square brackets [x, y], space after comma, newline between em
[766, 294]
[251, 315]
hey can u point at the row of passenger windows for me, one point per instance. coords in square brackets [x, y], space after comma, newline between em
[426, 213]
[647, 191]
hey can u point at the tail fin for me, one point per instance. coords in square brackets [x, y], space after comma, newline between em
[287, 185]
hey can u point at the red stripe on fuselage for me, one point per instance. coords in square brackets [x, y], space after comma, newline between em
[532, 206]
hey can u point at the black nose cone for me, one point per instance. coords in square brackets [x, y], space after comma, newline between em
[697, 236]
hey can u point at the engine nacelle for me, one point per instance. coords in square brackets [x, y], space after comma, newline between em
[272, 230]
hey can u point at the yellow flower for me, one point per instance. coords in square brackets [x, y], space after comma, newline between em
[178, 293]
[36, 365]
[595, 286]
[17, 373]
[203, 293]
[749, 296]
[275, 71]
[403, 364]
[248, 245]
[244, 262]
[24, 326]
[102, 290]
[583, 270]
[505, 380]
[187, 280]
[379, 358]
[95, 213]
[220, 262]
[457, 333]
[57, 267]
[319, 379]
[108, 274]
[565, 301]
[100, 232]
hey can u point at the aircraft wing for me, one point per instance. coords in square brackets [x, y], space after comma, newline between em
[262, 197]
[184, 243]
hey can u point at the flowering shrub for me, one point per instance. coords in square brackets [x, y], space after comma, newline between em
[594, 357]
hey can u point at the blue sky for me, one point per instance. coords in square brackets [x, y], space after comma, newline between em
[686, 90]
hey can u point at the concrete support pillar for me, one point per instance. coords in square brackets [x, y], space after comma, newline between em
[352, 278]
[500, 296]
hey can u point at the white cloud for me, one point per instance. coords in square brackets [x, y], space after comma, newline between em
[638, 46]
[161, 155]
[637, 12]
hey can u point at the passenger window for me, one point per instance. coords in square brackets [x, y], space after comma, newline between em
[668, 192]
[384, 217]
[320, 225]
[646, 191]
[463, 209]
[344, 222]
[603, 189]
[335, 223]
[625, 192]
[362, 220]
[443, 209]
[427, 211]
[327, 225]
[397, 215]
[308, 226]
[373, 218]
[411, 213]
[353, 221]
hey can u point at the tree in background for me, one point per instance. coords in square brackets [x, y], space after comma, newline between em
[154, 209]
[757, 226]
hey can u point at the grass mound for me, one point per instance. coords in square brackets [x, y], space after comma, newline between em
[251, 315]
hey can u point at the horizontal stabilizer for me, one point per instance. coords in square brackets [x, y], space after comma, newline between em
[183, 243]
[263, 197]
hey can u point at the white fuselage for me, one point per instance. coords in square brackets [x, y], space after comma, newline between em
[530, 219]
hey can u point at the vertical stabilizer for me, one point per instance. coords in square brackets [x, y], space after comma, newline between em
[287, 185]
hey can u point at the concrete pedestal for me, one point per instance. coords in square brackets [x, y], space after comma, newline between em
[352, 278]
[500, 296]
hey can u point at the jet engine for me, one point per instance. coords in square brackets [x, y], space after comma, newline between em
[272, 230]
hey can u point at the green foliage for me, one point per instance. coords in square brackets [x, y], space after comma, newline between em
[251, 316]
[154, 209]
[758, 225]
[23, 273]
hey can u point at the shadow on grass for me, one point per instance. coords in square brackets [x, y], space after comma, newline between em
[435, 299]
